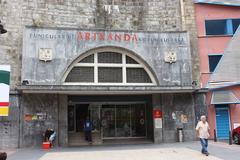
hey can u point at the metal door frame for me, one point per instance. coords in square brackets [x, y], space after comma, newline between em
[74, 119]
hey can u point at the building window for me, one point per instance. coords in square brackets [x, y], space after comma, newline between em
[110, 74]
[81, 74]
[109, 68]
[216, 27]
[236, 23]
[221, 26]
[137, 75]
[213, 61]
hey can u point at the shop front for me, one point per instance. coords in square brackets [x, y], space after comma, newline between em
[118, 79]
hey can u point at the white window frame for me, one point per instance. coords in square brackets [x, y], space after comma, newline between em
[122, 65]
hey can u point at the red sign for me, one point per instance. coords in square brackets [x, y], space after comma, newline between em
[157, 113]
[104, 36]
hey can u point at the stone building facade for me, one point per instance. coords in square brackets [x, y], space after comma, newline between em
[147, 18]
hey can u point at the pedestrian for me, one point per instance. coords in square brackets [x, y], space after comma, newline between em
[3, 155]
[49, 136]
[88, 130]
[202, 129]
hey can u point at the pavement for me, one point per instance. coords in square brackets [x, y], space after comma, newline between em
[169, 151]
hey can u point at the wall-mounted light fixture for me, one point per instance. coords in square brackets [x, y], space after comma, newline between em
[194, 83]
[25, 82]
[2, 30]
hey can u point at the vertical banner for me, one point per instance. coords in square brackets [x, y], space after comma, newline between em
[4, 89]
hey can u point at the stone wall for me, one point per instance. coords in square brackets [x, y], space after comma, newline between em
[11, 42]
[178, 112]
[9, 126]
[45, 108]
[154, 15]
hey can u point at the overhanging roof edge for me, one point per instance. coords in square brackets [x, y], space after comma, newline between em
[233, 99]
[222, 3]
[94, 89]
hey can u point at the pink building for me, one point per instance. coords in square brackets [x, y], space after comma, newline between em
[218, 44]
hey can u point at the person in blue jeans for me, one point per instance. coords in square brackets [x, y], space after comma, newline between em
[202, 130]
[88, 130]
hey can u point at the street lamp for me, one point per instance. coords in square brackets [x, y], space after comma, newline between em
[2, 30]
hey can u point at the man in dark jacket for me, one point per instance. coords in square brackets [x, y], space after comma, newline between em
[88, 130]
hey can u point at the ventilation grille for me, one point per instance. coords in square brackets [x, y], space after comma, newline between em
[81, 74]
[109, 57]
[111, 75]
[137, 75]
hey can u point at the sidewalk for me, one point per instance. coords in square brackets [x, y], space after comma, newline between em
[172, 151]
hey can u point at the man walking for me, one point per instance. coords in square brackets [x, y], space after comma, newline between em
[203, 133]
[88, 130]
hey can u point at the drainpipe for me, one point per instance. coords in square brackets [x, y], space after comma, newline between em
[19, 120]
[182, 15]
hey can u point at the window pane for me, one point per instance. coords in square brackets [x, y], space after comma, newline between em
[137, 75]
[213, 61]
[109, 57]
[108, 120]
[71, 117]
[111, 75]
[129, 60]
[88, 59]
[236, 23]
[138, 120]
[123, 120]
[216, 27]
[81, 74]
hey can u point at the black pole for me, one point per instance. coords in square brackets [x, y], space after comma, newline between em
[230, 138]
[215, 136]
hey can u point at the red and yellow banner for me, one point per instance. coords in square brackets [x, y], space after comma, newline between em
[4, 89]
[4, 108]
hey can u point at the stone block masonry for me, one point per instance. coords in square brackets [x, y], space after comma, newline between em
[154, 15]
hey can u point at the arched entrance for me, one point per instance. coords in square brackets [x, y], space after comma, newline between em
[114, 117]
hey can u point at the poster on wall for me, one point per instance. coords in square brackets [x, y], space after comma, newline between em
[158, 122]
[4, 89]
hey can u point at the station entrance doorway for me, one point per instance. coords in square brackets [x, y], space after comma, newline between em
[111, 121]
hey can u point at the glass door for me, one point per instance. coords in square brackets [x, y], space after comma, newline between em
[138, 120]
[108, 120]
[94, 111]
[119, 121]
[123, 118]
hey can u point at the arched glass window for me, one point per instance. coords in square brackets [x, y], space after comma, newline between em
[109, 68]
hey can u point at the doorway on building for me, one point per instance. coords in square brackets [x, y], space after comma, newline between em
[111, 122]
[222, 121]
[77, 114]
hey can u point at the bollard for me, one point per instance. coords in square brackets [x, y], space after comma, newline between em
[215, 136]
[230, 138]
[180, 134]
